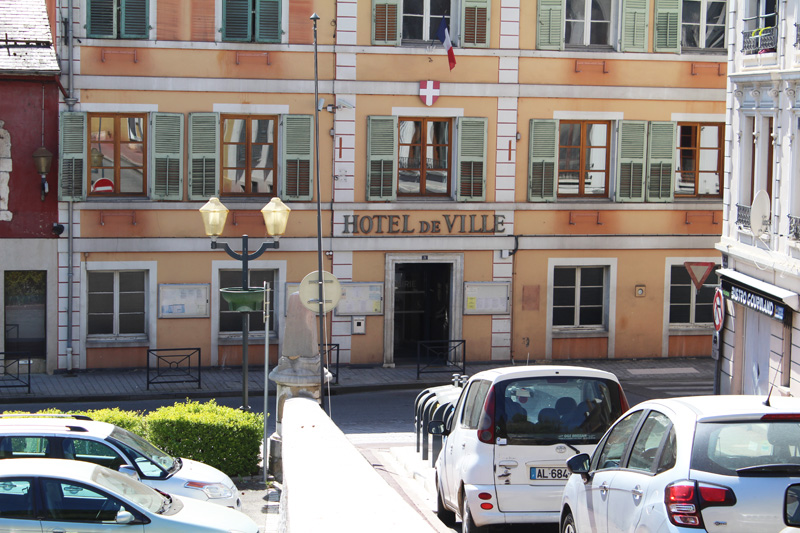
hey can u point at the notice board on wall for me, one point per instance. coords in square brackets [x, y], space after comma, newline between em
[360, 298]
[487, 298]
[183, 300]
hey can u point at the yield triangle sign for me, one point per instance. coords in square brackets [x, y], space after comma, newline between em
[699, 271]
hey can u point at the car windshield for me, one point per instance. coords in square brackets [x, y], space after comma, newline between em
[151, 461]
[134, 491]
[747, 448]
[556, 409]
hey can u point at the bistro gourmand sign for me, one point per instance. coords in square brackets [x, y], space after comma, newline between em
[404, 224]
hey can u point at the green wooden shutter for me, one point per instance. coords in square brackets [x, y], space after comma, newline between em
[668, 26]
[101, 19]
[472, 159]
[661, 161]
[634, 25]
[550, 25]
[237, 20]
[386, 22]
[543, 160]
[134, 20]
[268, 21]
[72, 157]
[381, 158]
[632, 154]
[298, 157]
[203, 155]
[475, 33]
[167, 156]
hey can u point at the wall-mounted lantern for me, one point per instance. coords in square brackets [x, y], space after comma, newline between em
[42, 158]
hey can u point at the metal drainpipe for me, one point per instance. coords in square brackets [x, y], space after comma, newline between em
[70, 101]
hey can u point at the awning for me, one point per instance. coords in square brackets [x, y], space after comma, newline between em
[791, 299]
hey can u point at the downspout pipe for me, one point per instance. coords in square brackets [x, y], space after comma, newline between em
[70, 101]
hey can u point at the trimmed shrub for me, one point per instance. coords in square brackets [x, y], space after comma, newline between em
[133, 421]
[225, 438]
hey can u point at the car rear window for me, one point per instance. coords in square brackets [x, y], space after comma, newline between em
[545, 410]
[747, 448]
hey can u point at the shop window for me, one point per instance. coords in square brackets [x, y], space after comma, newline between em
[117, 19]
[687, 304]
[251, 21]
[117, 304]
[230, 321]
[579, 296]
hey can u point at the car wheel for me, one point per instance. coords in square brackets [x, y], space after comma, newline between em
[447, 516]
[568, 524]
[467, 524]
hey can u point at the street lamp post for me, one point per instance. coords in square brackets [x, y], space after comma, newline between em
[246, 298]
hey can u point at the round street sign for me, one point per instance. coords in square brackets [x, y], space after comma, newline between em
[309, 291]
[719, 309]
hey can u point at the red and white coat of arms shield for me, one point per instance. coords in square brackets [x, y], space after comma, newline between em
[429, 92]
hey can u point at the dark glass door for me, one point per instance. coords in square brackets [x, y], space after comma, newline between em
[24, 311]
[421, 306]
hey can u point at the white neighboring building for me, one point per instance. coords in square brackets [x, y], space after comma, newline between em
[760, 243]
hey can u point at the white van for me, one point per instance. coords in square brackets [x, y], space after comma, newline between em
[511, 433]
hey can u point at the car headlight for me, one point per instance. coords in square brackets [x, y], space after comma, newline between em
[212, 490]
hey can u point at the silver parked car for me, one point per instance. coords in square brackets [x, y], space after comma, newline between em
[707, 463]
[62, 495]
[83, 439]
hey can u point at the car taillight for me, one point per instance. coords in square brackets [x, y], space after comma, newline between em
[486, 422]
[685, 500]
[623, 401]
[782, 417]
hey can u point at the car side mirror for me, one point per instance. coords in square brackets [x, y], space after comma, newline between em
[125, 517]
[128, 470]
[437, 427]
[579, 464]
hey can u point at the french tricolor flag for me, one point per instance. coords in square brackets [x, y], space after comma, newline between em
[444, 35]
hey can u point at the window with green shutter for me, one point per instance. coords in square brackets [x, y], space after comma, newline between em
[543, 160]
[667, 26]
[635, 15]
[703, 24]
[424, 149]
[249, 148]
[118, 154]
[386, 22]
[632, 155]
[203, 155]
[472, 159]
[550, 24]
[475, 17]
[251, 21]
[298, 159]
[381, 158]
[72, 156]
[117, 19]
[660, 162]
[167, 156]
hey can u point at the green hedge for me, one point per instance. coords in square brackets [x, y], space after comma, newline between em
[225, 438]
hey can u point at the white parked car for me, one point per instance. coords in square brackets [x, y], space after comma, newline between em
[503, 458]
[83, 439]
[706, 463]
[63, 495]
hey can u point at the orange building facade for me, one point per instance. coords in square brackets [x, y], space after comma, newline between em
[538, 201]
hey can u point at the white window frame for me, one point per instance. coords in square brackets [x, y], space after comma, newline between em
[704, 27]
[679, 329]
[610, 311]
[226, 338]
[151, 307]
[426, 15]
[587, 26]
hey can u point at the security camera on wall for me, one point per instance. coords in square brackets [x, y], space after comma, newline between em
[320, 104]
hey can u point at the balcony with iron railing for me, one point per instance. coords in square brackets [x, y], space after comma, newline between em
[743, 216]
[794, 228]
[761, 36]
